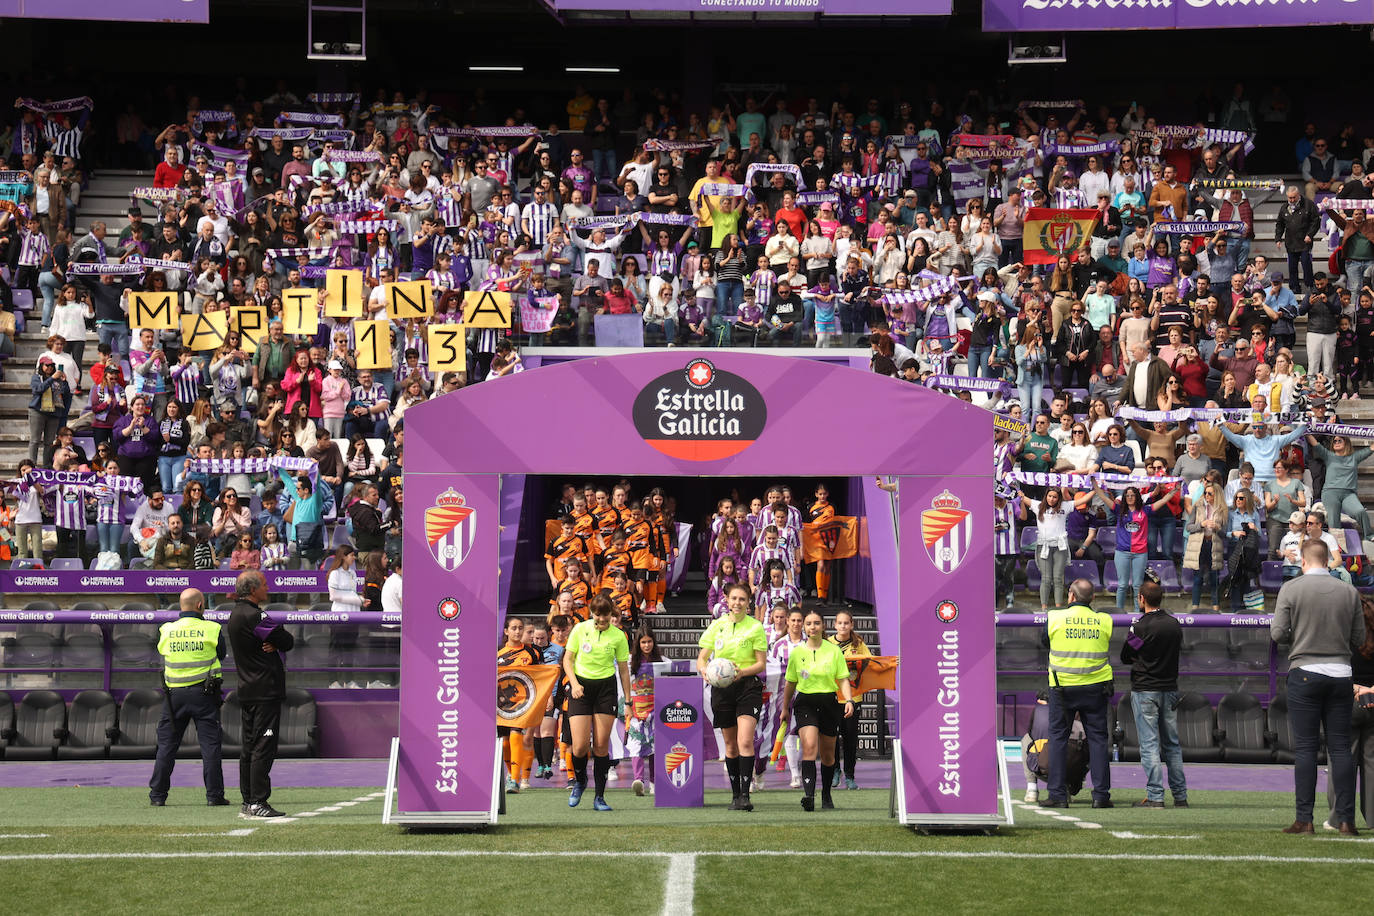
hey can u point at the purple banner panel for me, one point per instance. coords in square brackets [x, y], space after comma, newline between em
[947, 677]
[448, 700]
[114, 616]
[197, 11]
[1126, 620]
[143, 581]
[679, 727]
[1094, 15]
[764, 7]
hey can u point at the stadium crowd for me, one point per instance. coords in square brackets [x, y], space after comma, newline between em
[759, 221]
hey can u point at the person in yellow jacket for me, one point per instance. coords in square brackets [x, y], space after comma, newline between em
[1080, 682]
[192, 649]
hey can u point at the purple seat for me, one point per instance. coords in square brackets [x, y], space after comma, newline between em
[1185, 579]
[1168, 574]
[1082, 569]
[1033, 575]
[23, 298]
[1028, 536]
[1271, 575]
[1109, 579]
[67, 563]
[1106, 539]
[1352, 545]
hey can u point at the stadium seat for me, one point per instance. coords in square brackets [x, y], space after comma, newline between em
[1197, 729]
[39, 721]
[278, 607]
[1106, 539]
[1204, 650]
[32, 648]
[231, 722]
[136, 606]
[1249, 647]
[1082, 569]
[1032, 575]
[1028, 536]
[90, 726]
[1109, 579]
[90, 606]
[1280, 730]
[300, 736]
[135, 650]
[1271, 575]
[314, 647]
[1127, 739]
[68, 563]
[1134, 446]
[6, 720]
[1185, 580]
[26, 563]
[83, 650]
[41, 606]
[1167, 572]
[1241, 718]
[23, 298]
[138, 716]
[1019, 650]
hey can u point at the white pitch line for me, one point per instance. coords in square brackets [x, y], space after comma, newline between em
[772, 853]
[1128, 835]
[679, 887]
[242, 831]
[23, 836]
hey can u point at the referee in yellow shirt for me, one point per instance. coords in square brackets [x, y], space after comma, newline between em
[595, 654]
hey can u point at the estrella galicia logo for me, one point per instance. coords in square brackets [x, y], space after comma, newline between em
[449, 608]
[700, 413]
[678, 715]
[947, 611]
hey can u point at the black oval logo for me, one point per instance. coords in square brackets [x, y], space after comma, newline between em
[678, 715]
[700, 413]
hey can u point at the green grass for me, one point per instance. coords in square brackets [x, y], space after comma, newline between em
[900, 870]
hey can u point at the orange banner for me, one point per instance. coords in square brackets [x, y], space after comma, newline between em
[833, 539]
[871, 672]
[522, 693]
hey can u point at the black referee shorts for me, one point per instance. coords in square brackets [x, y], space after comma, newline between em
[742, 698]
[598, 697]
[817, 710]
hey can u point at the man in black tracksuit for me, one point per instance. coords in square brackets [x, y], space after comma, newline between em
[1151, 649]
[257, 643]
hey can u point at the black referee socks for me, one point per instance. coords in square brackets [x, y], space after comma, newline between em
[808, 771]
[600, 767]
[746, 773]
[580, 770]
[827, 774]
[732, 768]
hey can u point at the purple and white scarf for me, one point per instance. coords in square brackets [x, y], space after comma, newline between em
[786, 168]
[981, 140]
[473, 133]
[1104, 148]
[1346, 203]
[668, 219]
[332, 136]
[721, 189]
[1341, 429]
[816, 198]
[984, 153]
[995, 386]
[286, 133]
[158, 195]
[357, 226]
[78, 103]
[1209, 414]
[113, 269]
[352, 155]
[13, 176]
[653, 144]
[334, 98]
[604, 222]
[1228, 137]
[1073, 104]
[49, 478]
[1241, 184]
[309, 117]
[1199, 227]
[252, 465]
[163, 264]
[313, 254]
[855, 184]
[965, 181]
[345, 209]
[1088, 481]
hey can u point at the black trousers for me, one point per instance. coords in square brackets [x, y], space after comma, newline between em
[847, 747]
[261, 722]
[179, 706]
[1090, 701]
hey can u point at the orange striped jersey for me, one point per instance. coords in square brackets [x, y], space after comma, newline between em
[584, 526]
[642, 544]
[820, 511]
[581, 595]
[663, 529]
[518, 655]
[606, 521]
[625, 602]
[562, 549]
[612, 561]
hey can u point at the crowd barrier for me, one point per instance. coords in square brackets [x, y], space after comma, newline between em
[143, 581]
[388, 618]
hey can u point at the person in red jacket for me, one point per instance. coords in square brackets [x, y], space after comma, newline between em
[170, 169]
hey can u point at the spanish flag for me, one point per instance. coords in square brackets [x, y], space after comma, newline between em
[835, 538]
[522, 693]
[871, 672]
[1050, 233]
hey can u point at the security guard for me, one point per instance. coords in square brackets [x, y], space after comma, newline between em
[1080, 682]
[192, 649]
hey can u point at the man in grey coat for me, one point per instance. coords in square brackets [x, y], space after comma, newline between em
[1320, 620]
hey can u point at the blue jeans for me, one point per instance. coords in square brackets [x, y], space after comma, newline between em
[1315, 700]
[1130, 573]
[1354, 276]
[1029, 390]
[729, 294]
[978, 362]
[1156, 721]
[1162, 532]
[1090, 702]
[168, 467]
[1298, 259]
[49, 284]
[668, 326]
[116, 335]
[603, 163]
[108, 535]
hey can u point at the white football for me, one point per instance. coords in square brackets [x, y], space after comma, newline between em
[721, 672]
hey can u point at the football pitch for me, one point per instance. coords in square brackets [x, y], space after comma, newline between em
[102, 849]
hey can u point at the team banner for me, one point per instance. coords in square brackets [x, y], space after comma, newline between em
[49, 478]
[817, 198]
[833, 539]
[1010, 424]
[473, 133]
[1211, 414]
[310, 117]
[1070, 104]
[969, 383]
[1050, 233]
[1198, 227]
[111, 269]
[522, 693]
[1346, 203]
[79, 103]
[984, 153]
[654, 145]
[871, 672]
[1105, 148]
[785, 168]
[15, 176]
[158, 195]
[966, 181]
[932, 290]
[1341, 429]
[982, 140]
[854, 185]
[252, 465]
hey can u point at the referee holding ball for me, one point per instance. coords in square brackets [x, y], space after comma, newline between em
[741, 638]
[815, 670]
[595, 653]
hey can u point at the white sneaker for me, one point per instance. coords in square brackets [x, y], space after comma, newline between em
[1327, 825]
[1032, 796]
[661, 608]
[759, 782]
[613, 775]
[651, 788]
[638, 787]
[524, 784]
[796, 783]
